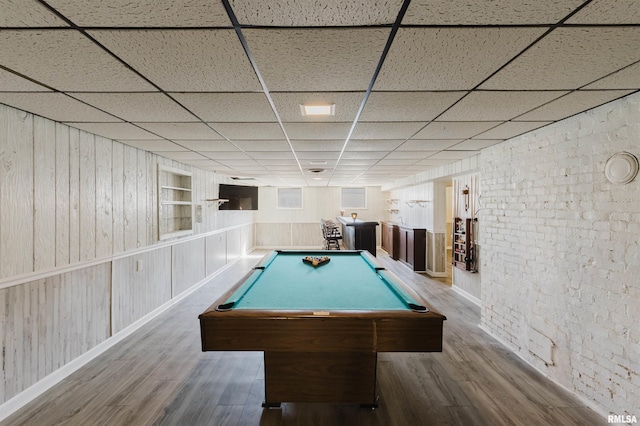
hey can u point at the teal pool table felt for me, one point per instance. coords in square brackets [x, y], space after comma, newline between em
[347, 282]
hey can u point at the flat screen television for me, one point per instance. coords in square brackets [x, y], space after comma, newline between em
[240, 197]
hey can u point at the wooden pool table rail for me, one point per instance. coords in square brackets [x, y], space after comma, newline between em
[320, 356]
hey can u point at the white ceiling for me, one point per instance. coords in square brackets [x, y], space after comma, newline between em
[218, 84]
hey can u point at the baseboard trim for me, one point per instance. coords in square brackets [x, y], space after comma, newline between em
[32, 392]
[592, 405]
[470, 297]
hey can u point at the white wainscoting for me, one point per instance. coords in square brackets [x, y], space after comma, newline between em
[50, 322]
[140, 284]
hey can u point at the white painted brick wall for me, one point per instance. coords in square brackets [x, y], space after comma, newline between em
[561, 252]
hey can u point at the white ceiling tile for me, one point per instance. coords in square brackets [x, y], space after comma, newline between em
[202, 164]
[317, 145]
[476, 144]
[222, 169]
[407, 155]
[569, 58]
[137, 106]
[626, 78]
[278, 167]
[55, 106]
[312, 13]
[346, 105]
[222, 107]
[66, 60]
[511, 129]
[252, 167]
[153, 145]
[281, 168]
[255, 131]
[10, 82]
[320, 155]
[192, 60]
[317, 59]
[449, 58]
[317, 130]
[346, 171]
[211, 166]
[318, 163]
[388, 130]
[239, 164]
[180, 130]
[608, 12]
[383, 169]
[365, 155]
[27, 13]
[181, 155]
[225, 155]
[373, 144]
[407, 106]
[454, 129]
[433, 163]
[351, 162]
[452, 155]
[262, 145]
[286, 156]
[428, 144]
[115, 131]
[499, 12]
[571, 104]
[397, 162]
[495, 106]
[144, 13]
[207, 145]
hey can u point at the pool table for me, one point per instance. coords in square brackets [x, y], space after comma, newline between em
[320, 327]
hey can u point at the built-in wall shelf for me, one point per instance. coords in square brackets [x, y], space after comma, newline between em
[393, 211]
[393, 201]
[461, 253]
[175, 203]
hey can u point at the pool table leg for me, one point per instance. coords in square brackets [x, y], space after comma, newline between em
[371, 406]
[333, 377]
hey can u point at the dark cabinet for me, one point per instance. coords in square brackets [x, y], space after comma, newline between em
[406, 244]
[391, 239]
[358, 234]
[413, 247]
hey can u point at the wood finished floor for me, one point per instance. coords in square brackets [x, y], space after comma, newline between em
[159, 376]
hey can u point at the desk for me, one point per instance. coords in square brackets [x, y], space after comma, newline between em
[321, 327]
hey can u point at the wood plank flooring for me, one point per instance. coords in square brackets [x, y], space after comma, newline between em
[160, 376]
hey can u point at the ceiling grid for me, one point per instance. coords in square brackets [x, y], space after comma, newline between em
[218, 84]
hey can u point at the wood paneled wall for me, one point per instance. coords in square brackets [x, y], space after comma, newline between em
[68, 196]
[140, 284]
[188, 264]
[80, 258]
[48, 322]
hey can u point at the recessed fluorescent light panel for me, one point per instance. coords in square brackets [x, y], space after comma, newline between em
[318, 109]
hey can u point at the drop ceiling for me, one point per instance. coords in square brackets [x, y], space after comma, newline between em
[219, 84]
